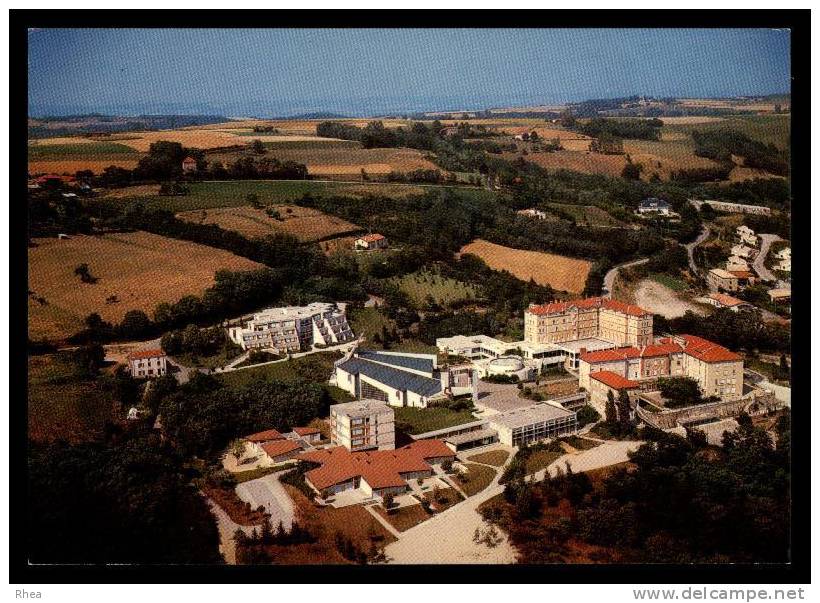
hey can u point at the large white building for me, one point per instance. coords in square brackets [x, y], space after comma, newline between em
[533, 423]
[363, 425]
[147, 364]
[294, 328]
[401, 379]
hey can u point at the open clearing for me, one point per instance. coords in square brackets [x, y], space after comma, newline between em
[589, 214]
[420, 285]
[139, 268]
[659, 299]
[304, 223]
[559, 272]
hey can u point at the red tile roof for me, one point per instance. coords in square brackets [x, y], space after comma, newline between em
[154, 353]
[610, 355]
[379, 468]
[664, 348]
[189, 160]
[707, 351]
[279, 447]
[265, 436]
[741, 273]
[305, 430]
[613, 380]
[726, 300]
[590, 302]
[371, 238]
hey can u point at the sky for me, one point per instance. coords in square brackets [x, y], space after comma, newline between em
[280, 72]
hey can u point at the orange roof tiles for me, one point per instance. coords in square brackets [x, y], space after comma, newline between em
[305, 430]
[379, 468]
[610, 355]
[265, 436]
[371, 238]
[726, 300]
[279, 447]
[153, 353]
[707, 351]
[589, 302]
[613, 380]
[741, 273]
[661, 349]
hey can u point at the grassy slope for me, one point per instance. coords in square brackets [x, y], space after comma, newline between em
[93, 150]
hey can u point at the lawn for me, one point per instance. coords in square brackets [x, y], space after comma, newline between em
[494, 457]
[447, 497]
[589, 214]
[403, 518]
[541, 459]
[315, 367]
[476, 479]
[422, 420]
[221, 358]
[428, 283]
[64, 406]
[580, 443]
[91, 150]
[669, 281]
[368, 322]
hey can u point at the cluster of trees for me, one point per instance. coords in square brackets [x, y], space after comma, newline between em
[251, 549]
[428, 176]
[774, 192]
[642, 129]
[374, 135]
[676, 506]
[125, 502]
[251, 168]
[706, 174]
[719, 145]
[50, 213]
[680, 391]
[202, 416]
[617, 416]
[198, 342]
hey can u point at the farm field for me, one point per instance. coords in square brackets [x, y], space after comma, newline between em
[578, 161]
[773, 129]
[63, 406]
[420, 285]
[233, 193]
[139, 268]
[559, 272]
[304, 223]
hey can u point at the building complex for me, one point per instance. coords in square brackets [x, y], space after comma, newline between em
[294, 328]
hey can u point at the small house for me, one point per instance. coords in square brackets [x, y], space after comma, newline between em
[721, 300]
[370, 242]
[310, 435]
[747, 235]
[655, 205]
[189, 165]
[147, 364]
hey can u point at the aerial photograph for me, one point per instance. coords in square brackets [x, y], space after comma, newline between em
[373, 297]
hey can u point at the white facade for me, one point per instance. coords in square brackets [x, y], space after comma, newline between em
[533, 424]
[363, 425]
[747, 235]
[147, 365]
[294, 328]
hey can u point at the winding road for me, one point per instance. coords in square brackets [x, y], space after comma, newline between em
[759, 263]
[690, 248]
[609, 277]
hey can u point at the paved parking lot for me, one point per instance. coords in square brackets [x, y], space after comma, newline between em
[269, 493]
[499, 397]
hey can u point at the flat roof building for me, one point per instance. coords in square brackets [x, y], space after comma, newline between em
[363, 425]
[533, 423]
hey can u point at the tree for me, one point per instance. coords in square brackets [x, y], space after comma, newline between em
[238, 448]
[610, 411]
[632, 171]
[680, 391]
[624, 409]
[258, 147]
[84, 273]
[253, 200]
[134, 325]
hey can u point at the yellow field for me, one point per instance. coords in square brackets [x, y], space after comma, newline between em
[557, 271]
[579, 161]
[139, 268]
[304, 223]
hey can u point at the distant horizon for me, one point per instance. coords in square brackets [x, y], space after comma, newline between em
[367, 73]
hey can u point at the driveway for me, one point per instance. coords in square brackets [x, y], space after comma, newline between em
[268, 492]
[690, 248]
[759, 265]
[609, 277]
[448, 536]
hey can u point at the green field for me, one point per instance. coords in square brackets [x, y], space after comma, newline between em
[421, 420]
[589, 214]
[765, 128]
[208, 195]
[84, 150]
[669, 281]
[430, 283]
[315, 367]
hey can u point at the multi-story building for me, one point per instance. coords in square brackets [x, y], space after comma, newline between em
[721, 280]
[718, 371]
[746, 235]
[363, 425]
[294, 328]
[533, 423]
[591, 318]
[147, 364]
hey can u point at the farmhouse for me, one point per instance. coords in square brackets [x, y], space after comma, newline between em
[363, 425]
[189, 165]
[370, 242]
[747, 235]
[721, 300]
[147, 363]
[721, 280]
[294, 328]
[601, 383]
[653, 205]
[374, 473]
[400, 379]
[596, 317]
[718, 371]
[533, 213]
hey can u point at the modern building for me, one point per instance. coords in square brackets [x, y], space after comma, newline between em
[279, 451]
[721, 300]
[653, 205]
[189, 165]
[718, 371]
[294, 328]
[147, 364]
[592, 318]
[363, 425]
[374, 473]
[399, 378]
[746, 235]
[601, 383]
[370, 242]
[722, 280]
[533, 423]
